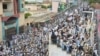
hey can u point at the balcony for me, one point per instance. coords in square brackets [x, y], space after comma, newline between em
[8, 13]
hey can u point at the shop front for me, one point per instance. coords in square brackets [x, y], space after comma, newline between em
[10, 27]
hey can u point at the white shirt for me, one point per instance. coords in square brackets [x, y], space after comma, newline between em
[80, 28]
[45, 29]
[73, 31]
[65, 23]
[61, 41]
[82, 36]
[70, 18]
[70, 31]
[76, 11]
[66, 13]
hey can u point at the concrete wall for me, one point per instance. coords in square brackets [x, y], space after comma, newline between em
[55, 6]
[0, 30]
[21, 19]
[47, 0]
[1, 10]
[9, 7]
[63, 1]
[31, 7]
[1, 13]
[29, 20]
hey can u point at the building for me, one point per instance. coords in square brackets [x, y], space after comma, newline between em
[31, 7]
[11, 18]
[55, 6]
[64, 1]
[36, 1]
[59, 5]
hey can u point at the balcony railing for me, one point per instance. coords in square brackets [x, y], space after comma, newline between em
[8, 13]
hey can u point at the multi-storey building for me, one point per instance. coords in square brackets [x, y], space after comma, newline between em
[58, 5]
[11, 18]
[55, 5]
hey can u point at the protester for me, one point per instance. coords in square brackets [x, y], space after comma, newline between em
[74, 34]
[71, 33]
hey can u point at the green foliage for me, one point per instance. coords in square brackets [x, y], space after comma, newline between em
[29, 2]
[94, 1]
[27, 15]
[50, 6]
[46, 7]
[33, 3]
[26, 2]
[42, 6]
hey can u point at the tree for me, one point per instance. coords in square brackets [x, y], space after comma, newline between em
[42, 6]
[26, 2]
[27, 15]
[50, 6]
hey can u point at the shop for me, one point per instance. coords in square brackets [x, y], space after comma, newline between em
[10, 27]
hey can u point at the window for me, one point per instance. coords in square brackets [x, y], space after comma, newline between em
[4, 6]
[22, 6]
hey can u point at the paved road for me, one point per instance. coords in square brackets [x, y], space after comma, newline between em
[53, 49]
[56, 51]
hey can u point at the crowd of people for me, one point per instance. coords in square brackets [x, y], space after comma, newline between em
[33, 42]
[75, 34]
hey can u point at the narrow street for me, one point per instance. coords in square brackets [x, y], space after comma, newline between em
[56, 51]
